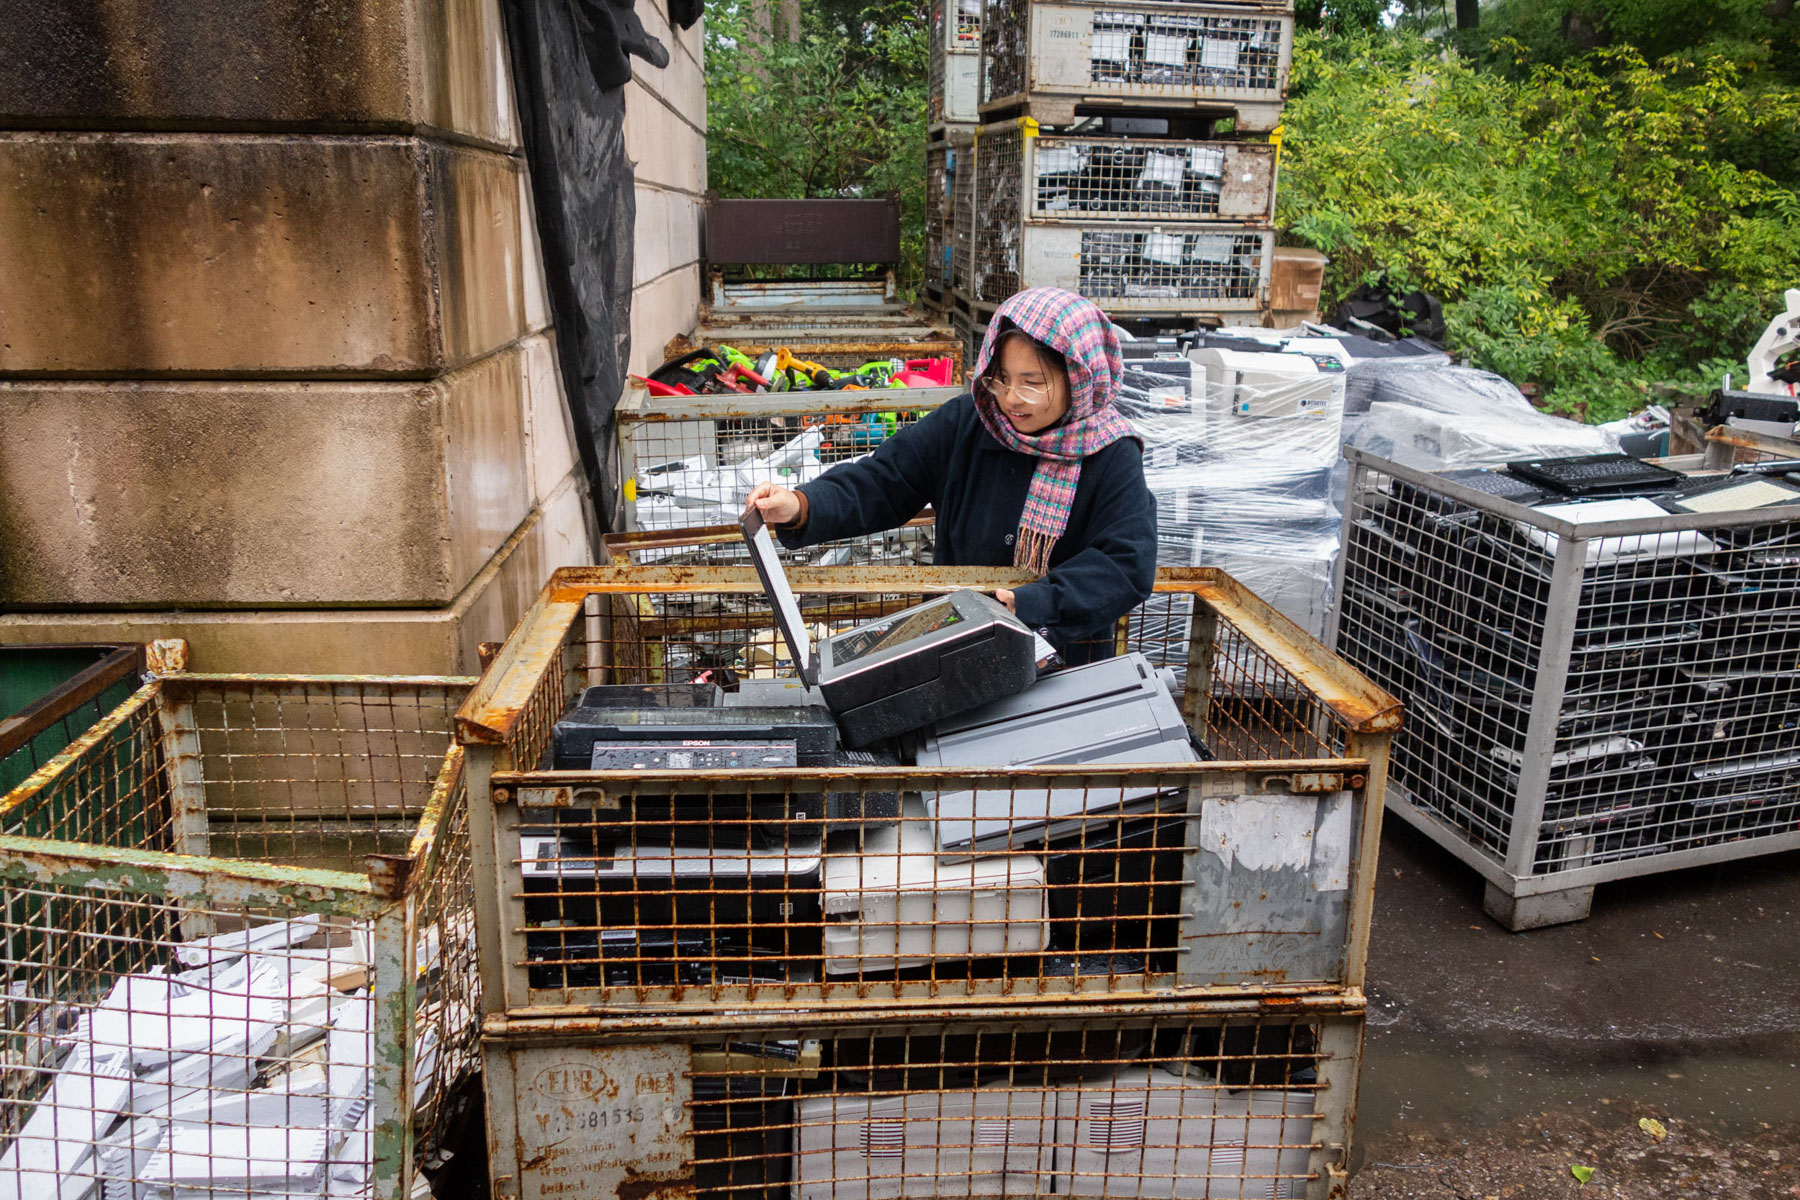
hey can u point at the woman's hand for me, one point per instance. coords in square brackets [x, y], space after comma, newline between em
[778, 505]
[1006, 597]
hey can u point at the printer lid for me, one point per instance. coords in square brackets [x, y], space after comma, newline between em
[775, 583]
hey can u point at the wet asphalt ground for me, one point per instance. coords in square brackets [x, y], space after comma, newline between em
[1495, 1061]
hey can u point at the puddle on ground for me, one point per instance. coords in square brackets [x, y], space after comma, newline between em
[1414, 1081]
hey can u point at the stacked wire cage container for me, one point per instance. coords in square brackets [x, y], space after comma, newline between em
[240, 952]
[1586, 701]
[688, 461]
[1124, 154]
[794, 982]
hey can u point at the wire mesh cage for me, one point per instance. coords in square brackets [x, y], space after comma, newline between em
[690, 460]
[973, 332]
[962, 214]
[1044, 59]
[1132, 1103]
[1029, 175]
[239, 953]
[1595, 690]
[619, 883]
[1126, 269]
[955, 50]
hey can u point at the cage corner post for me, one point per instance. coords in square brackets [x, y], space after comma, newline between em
[174, 708]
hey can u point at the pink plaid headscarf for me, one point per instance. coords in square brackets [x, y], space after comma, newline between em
[1077, 329]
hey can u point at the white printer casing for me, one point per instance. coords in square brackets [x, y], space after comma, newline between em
[981, 1142]
[1291, 405]
[893, 904]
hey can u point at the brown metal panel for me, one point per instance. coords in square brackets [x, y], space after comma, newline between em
[802, 231]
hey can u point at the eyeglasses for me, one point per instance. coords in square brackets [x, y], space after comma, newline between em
[994, 389]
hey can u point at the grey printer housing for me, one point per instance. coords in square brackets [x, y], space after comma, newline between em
[1114, 712]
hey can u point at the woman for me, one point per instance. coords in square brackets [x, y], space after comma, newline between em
[1032, 468]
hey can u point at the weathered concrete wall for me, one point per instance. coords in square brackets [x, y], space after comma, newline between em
[274, 493]
[253, 255]
[427, 65]
[275, 366]
[665, 135]
[436, 640]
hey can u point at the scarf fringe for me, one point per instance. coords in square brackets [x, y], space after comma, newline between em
[1032, 551]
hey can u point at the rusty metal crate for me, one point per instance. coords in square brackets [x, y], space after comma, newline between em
[690, 460]
[319, 823]
[1176, 1100]
[1726, 447]
[1247, 875]
[1128, 268]
[1053, 60]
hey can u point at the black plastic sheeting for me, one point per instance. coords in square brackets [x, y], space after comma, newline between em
[566, 57]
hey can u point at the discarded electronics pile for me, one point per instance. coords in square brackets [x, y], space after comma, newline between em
[1242, 433]
[1626, 703]
[776, 418]
[241, 1069]
[895, 881]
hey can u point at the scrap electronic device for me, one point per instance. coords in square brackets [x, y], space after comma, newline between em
[1114, 712]
[901, 673]
[681, 727]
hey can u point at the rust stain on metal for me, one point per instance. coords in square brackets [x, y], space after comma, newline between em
[389, 874]
[657, 1185]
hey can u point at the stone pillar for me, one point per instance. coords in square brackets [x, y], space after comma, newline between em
[276, 369]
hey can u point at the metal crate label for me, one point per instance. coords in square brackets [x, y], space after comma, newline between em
[602, 1121]
[1267, 895]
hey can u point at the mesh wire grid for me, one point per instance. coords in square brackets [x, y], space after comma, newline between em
[1123, 268]
[657, 887]
[1048, 177]
[252, 1015]
[962, 213]
[1659, 713]
[94, 680]
[1155, 51]
[694, 468]
[939, 165]
[1171, 1109]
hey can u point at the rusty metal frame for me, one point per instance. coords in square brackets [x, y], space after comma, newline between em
[389, 894]
[545, 1073]
[489, 726]
[1726, 446]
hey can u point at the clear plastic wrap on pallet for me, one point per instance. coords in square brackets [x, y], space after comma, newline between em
[1239, 448]
[699, 491]
[1436, 416]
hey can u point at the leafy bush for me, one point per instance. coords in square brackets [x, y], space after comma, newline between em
[840, 112]
[1583, 220]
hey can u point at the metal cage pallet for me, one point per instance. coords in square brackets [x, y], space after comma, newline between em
[1244, 876]
[973, 331]
[941, 162]
[1051, 60]
[952, 79]
[1170, 1100]
[1128, 269]
[1028, 175]
[240, 953]
[1586, 701]
[690, 460]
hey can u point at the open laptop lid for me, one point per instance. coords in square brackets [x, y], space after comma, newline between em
[775, 583]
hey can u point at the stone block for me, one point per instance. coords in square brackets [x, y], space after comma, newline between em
[389, 65]
[370, 641]
[661, 309]
[551, 453]
[668, 233]
[201, 255]
[217, 494]
[664, 149]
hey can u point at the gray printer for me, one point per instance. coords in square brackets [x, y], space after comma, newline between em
[1110, 713]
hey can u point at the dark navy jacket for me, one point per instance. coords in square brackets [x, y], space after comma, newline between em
[1100, 568]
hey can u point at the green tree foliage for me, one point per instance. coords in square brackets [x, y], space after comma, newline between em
[1583, 220]
[840, 112]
